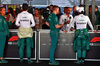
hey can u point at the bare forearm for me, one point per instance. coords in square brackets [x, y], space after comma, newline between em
[59, 26]
[47, 23]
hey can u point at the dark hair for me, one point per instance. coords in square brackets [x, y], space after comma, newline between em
[68, 7]
[25, 6]
[17, 11]
[11, 11]
[65, 7]
[30, 10]
[59, 9]
[51, 5]
[36, 9]
[54, 7]
[74, 6]
[90, 5]
[96, 7]
[1, 8]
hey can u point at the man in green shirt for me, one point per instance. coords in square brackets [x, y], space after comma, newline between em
[4, 32]
[97, 13]
[53, 23]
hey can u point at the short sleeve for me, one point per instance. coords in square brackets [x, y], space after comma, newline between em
[48, 20]
[56, 21]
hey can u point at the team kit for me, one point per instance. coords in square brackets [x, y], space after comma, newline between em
[25, 21]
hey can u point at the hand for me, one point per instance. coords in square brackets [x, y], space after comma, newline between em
[62, 25]
[71, 29]
[14, 20]
[95, 31]
[65, 31]
[67, 22]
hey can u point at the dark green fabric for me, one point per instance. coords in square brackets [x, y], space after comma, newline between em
[21, 45]
[31, 39]
[81, 54]
[4, 30]
[54, 34]
[97, 13]
[53, 20]
[81, 40]
[2, 45]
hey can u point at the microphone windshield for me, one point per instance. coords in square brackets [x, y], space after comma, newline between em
[70, 17]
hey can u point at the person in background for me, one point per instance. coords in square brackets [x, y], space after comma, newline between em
[38, 19]
[66, 19]
[51, 9]
[25, 33]
[17, 11]
[90, 12]
[97, 13]
[4, 32]
[10, 17]
[75, 13]
[30, 10]
[58, 15]
[90, 16]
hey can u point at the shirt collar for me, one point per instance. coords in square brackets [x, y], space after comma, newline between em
[53, 13]
[66, 15]
[81, 14]
[2, 16]
[24, 11]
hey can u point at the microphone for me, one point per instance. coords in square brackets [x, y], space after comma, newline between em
[65, 21]
[70, 17]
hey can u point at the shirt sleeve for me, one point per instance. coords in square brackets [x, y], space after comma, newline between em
[1, 29]
[47, 20]
[33, 22]
[61, 21]
[9, 23]
[71, 21]
[71, 24]
[17, 20]
[56, 21]
[89, 23]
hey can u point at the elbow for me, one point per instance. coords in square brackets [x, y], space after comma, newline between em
[33, 25]
[17, 24]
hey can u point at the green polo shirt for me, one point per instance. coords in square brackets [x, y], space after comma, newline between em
[97, 13]
[4, 30]
[53, 20]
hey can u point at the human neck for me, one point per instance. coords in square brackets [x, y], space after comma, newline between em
[67, 15]
[25, 10]
[3, 15]
[54, 12]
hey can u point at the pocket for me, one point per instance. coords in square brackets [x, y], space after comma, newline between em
[53, 34]
[3, 33]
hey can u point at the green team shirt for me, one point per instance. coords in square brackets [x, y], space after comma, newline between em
[53, 20]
